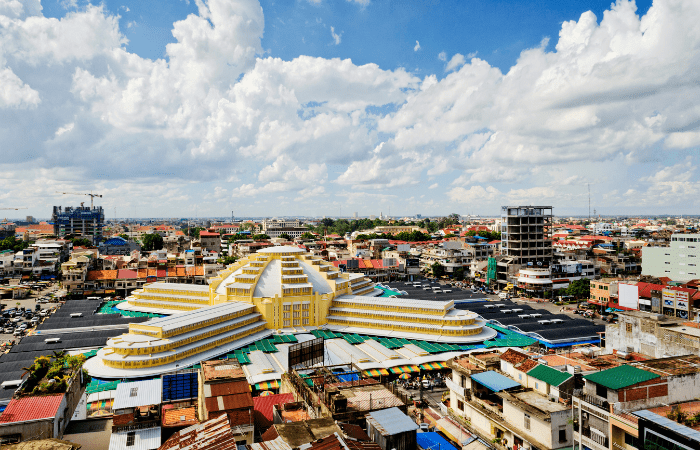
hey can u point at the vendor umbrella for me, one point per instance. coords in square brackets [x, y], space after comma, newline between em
[405, 376]
[265, 393]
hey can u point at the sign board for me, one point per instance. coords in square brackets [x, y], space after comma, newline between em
[412, 262]
[306, 354]
[628, 295]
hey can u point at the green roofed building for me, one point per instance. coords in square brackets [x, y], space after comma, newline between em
[551, 382]
[620, 377]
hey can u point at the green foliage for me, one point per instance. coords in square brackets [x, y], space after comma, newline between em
[194, 232]
[490, 235]
[151, 242]
[437, 269]
[124, 236]
[238, 237]
[285, 236]
[81, 242]
[308, 236]
[227, 260]
[458, 273]
[412, 236]
[260, 237]
[579, 288]
[12, 243]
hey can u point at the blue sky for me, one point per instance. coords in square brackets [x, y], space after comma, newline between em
[313, 107]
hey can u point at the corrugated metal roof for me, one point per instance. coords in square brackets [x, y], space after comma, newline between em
[494, 381]
[214, 433]
[391, 421]
[668, 423]
[620, 377]
[433, 441]
[31, 408]
[550, 376]
[144, 439]
[138, 393]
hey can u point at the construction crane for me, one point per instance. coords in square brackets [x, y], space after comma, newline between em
[92, 196]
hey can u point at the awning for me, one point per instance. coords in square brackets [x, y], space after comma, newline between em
[404, 369]
[274, 384]
[375, 372]
[433, 366]
[494, 381]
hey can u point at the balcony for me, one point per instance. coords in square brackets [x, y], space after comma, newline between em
[452, 386]
[594, 438]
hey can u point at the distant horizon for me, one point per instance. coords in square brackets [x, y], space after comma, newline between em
[326, 107]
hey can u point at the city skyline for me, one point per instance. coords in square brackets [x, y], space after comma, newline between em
[319, 107]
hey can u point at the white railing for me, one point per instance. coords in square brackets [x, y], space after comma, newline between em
[452, 386]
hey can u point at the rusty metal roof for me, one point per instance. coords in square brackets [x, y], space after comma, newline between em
[214, 433]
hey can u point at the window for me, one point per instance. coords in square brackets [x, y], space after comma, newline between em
[305, 321]
[628, 327]
[305, 306]
[297, 306]
[527, 421]
[537, 385]
[460, 405]
[296, 322]
[286, 323]
[287, 307]
[134, 392]
[130, 438]
[601, 391]
[520, 376]
[562, 435]
[285, 315]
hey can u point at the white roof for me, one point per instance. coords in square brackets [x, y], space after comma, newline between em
[282, 249]
[138, 393]
[424, 304]
[200, 315]
[268, 284]
[262, 367]
[347, 352]
[179, 287]
[144, 439]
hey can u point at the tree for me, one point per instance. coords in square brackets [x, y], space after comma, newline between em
[579, 288]
[194, 232]
[308, 236]
[12, 243]
[151, 242]
[260, 237]
[124, 236]
[458, 273]
[437, 269]
[285, 236]
[81, 242]
[226, 260]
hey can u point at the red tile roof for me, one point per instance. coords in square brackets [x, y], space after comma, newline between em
[180, 417]
[236, 387]
[513, 356]
[31, 408]
[263, 408]
[101, 275]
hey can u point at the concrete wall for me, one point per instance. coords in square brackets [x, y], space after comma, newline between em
[38, 429]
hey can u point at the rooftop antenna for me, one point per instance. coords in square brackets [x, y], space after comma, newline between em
[589, 202]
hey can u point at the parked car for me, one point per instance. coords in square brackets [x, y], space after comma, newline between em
[23, 326]
[8, 330]
[35, 320]
[43, 313]
[17, 319]
[18, 332]
[37, 307]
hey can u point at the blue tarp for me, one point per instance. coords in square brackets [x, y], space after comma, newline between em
[568, 344]
[353, 376]
[494, 381]
[433, 441]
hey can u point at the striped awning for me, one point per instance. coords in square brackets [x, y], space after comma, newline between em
[433, 366]
[375, 372]
[404, 369]
[274, 384]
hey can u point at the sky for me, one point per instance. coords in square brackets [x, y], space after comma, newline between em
[201, 108]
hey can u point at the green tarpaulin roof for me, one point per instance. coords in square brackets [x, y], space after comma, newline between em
[550, 376]
[620, 377]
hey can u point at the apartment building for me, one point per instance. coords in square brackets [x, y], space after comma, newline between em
[502, 410]
[78, 221]
[276, 227]
[679, 261]
[525, 241]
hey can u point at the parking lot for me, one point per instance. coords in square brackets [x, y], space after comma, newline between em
[26, 315]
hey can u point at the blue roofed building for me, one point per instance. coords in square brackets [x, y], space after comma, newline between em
[118, 246]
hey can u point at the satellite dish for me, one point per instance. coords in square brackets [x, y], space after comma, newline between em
[539, 263]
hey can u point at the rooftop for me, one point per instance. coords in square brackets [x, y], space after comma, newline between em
[391, 421]
[550, 376]
[31, 408]
[533, 399]
[222, 370]
[677, 365]
[494, 381]
[300, 433]
[138, 393]
[620, 377]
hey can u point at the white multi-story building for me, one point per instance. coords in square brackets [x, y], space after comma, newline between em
[680, 261]
[277, 227]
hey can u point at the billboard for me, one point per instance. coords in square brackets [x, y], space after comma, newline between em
[306, 354]
[412, 262]
[628, 295]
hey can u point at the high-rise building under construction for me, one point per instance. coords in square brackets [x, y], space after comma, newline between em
[78, 221]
